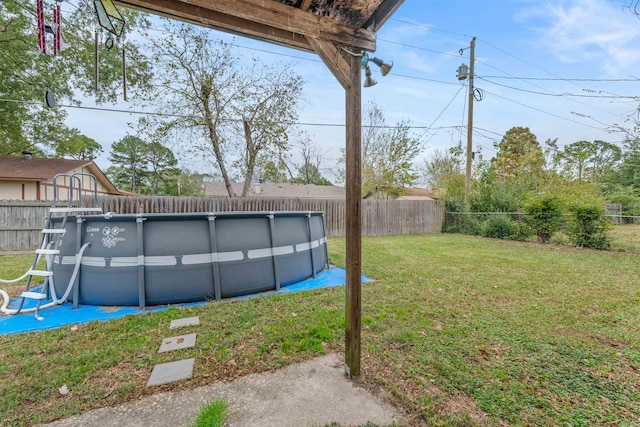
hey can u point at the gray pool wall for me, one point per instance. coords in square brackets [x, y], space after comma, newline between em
[152, 259]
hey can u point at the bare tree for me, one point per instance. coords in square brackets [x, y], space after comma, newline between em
[388, 153]
[240, 110]
[440, 168]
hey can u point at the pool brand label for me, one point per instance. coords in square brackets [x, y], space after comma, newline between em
[111, 236]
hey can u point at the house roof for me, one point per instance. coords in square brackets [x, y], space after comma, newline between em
[414, 198]
[14, 168]
[408, 194]
[19, 168]
[284, 190]
[418, 194]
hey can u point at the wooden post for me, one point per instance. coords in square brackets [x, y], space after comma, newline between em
[467, 184]
[354, 220]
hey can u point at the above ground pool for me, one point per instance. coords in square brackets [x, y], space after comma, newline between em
[151, 259]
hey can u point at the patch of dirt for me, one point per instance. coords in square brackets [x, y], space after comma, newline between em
[600, 339]
[460, 404]
[388, 381]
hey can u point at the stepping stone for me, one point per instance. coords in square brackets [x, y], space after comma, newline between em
[170, 372]
[177, 343]
[187, 321]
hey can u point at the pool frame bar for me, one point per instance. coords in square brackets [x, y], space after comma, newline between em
[153, 259]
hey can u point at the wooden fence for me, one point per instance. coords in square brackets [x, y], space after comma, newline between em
[21, 221]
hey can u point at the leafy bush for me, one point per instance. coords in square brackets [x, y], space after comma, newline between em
[460, 223]
[589, 227]
[543, 216]
[503, 227]
[497, 226]
[520, 231]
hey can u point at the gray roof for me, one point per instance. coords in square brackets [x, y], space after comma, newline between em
[282, 191]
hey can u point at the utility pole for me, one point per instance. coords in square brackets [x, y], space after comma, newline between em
[467, 188]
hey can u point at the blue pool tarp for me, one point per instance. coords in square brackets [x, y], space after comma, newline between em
[64, 314]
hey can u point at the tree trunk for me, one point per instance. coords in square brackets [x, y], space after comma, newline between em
[215, 142]
[251, 158]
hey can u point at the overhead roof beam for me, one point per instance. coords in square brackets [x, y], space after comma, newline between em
[205, 17]
[264, 19]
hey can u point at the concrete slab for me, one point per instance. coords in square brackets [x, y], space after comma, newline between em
[177, 343]
[187, 321]
[170, 372]
[312, 393]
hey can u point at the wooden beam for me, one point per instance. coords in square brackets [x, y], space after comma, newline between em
[353, 208]
[278, 15]
[383, 13]
[332, 57]
[305, 4]
[208, 18]
[260, 18]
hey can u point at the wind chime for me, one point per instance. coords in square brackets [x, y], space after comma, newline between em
[54, 29]
[108, 18]
[111, 20]
[44, 30]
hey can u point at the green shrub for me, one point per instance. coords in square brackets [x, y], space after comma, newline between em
[462, 223]
[497, 226]
[520, 231]
[543, 216]
[589, 227]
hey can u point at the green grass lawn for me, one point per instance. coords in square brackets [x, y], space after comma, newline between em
[626, 237]
[458, 330]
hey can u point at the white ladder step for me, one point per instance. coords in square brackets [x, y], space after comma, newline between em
[33, 295]
[47, 251]
[68, 210]
[41, 273]
[54, 230]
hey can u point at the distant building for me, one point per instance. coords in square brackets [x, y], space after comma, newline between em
[409, 194]
[281, 191]
[419, 194]
[27, 178]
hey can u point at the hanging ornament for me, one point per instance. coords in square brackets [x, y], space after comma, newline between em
[42, 41]
[109, 42]
[96, 59]
[57, 28]
[124, 74]
[50, 99]
[108, 17]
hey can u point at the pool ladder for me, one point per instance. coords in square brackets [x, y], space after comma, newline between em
[51, 237]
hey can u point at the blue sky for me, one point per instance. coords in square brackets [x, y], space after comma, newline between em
[528, 57]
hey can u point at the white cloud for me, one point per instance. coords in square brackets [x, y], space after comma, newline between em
[596, 31]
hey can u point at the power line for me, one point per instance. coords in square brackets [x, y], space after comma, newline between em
[420, 48]
[429, 27]
[559, 94]
[155, 113]
[543, 111]
[540, 87]
[441, 113]
[565, 79]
